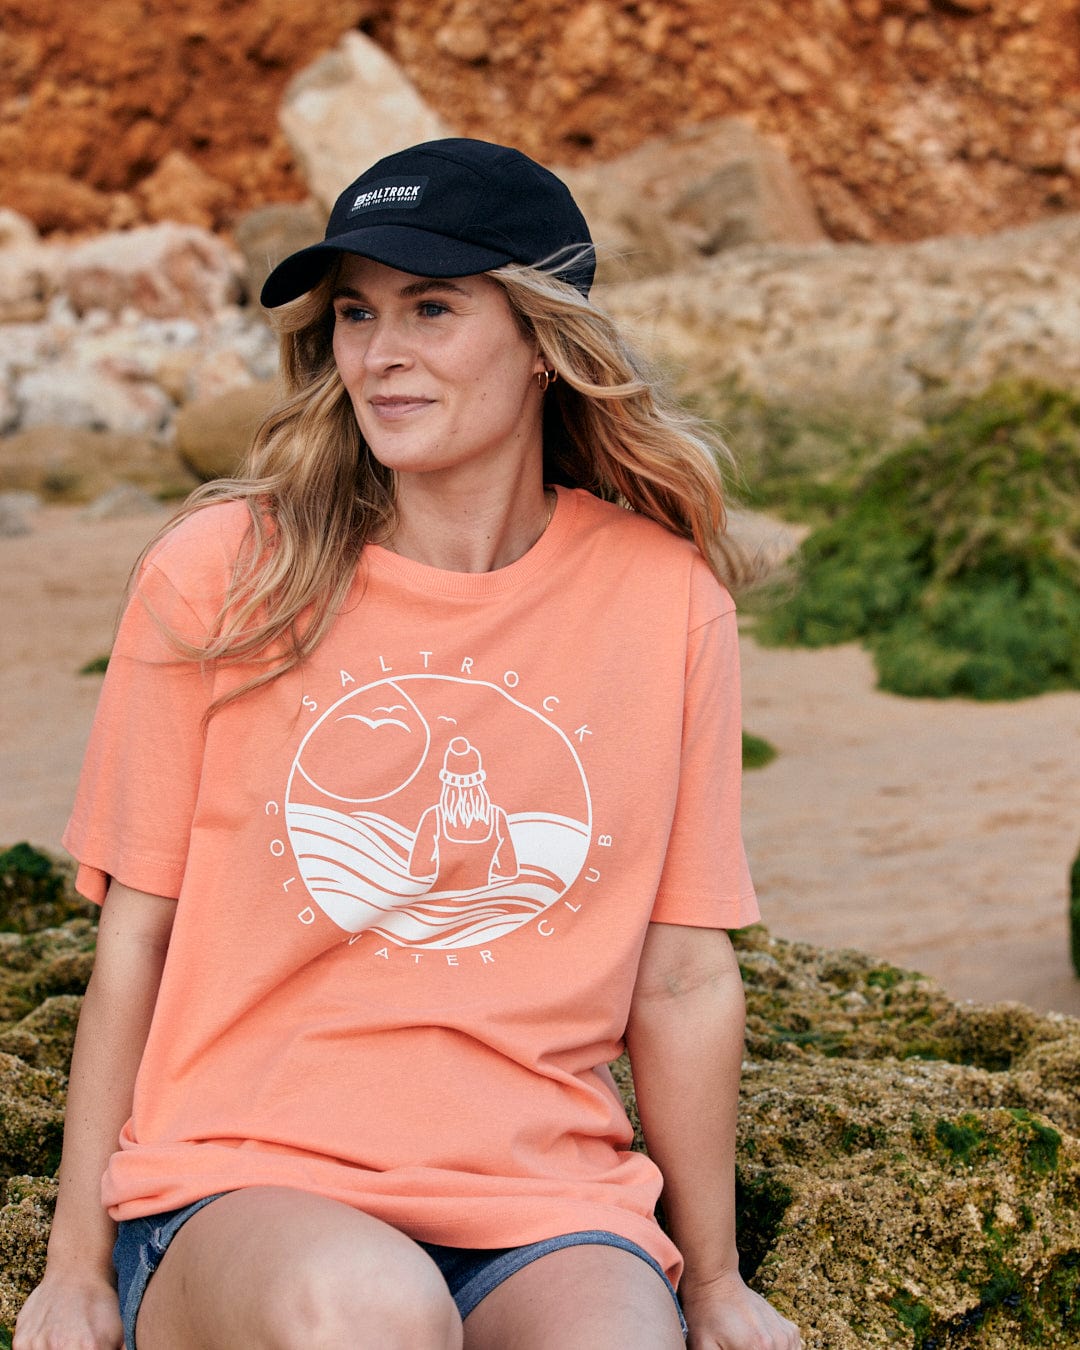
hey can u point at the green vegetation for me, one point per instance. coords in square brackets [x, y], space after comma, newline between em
[756, 751]
[798, 462]
[98, 666]
[1074, 912]
[957, 558]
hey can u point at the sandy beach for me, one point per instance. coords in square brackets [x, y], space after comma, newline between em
[935, 834]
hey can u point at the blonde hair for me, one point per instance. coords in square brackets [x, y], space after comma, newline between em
[316, 494]
[465, 805]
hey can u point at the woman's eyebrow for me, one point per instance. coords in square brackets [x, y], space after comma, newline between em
[431, 284]
[409, 292]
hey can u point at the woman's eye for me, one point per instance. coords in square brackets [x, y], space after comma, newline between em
[352, 314]
[431, 309]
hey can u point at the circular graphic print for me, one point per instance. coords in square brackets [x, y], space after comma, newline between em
[436, 812]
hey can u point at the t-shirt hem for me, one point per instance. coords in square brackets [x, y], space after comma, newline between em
[472, 1227]
[707, 911]
[155, 876]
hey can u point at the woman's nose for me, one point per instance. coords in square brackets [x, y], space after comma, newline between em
[387, 346]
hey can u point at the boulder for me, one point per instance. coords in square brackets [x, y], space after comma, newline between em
[73, 464]
[9, 408]
[907, 1165]
[694, 193]
[349, 108]
[268, 235]
[25, 1219]
[213, 435]
[180, 190]
[16, 230]
[160, 271]
[633, 236]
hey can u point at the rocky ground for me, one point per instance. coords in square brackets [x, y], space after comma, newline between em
[882, 1127]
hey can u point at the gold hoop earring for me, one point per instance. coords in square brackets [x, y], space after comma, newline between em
[545, 378]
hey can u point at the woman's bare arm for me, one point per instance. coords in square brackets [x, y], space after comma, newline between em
[685, 1037]
[75, 1304]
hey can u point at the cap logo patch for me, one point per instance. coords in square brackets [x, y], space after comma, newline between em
[389, 193]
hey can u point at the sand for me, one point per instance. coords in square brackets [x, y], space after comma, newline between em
[937, 835]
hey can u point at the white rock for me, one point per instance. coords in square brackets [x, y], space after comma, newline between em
[161, 271]
[348, 109]
[16, 230]
[67, 395]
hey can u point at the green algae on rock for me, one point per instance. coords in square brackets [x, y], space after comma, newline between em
[955, 559]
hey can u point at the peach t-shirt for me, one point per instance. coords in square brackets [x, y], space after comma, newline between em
[414, 875]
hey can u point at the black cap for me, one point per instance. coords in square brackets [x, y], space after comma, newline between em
[448, 208]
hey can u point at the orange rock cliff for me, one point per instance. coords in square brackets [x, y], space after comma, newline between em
[907, 118]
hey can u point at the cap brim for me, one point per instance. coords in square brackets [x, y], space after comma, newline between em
[419, 252]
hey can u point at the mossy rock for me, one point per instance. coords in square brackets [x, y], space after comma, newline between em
[31, 1117]
[38, 966]
[36, 890]
[45, 1037]
[24, 1230]
[955, 559]
[907, 1167]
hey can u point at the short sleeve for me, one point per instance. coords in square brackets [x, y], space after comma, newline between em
[705, 880]
[136, 795]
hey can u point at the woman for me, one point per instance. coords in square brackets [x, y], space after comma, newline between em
[360, 1103]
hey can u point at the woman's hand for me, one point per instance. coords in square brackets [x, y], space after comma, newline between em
[70, 1311]
[726, 1315]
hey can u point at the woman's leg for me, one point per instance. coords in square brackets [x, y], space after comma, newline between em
[276, 1269]
[578, 1298]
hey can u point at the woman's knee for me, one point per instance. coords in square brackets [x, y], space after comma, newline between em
[398, 1305]
[283, 1270]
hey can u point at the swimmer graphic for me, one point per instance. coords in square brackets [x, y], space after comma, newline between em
[464, 841]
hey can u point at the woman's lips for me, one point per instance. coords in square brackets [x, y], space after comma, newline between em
[391, 407]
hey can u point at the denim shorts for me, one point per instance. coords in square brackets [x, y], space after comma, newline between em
[470, 1273]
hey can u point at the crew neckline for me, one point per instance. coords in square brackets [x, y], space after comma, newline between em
[384, 562]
